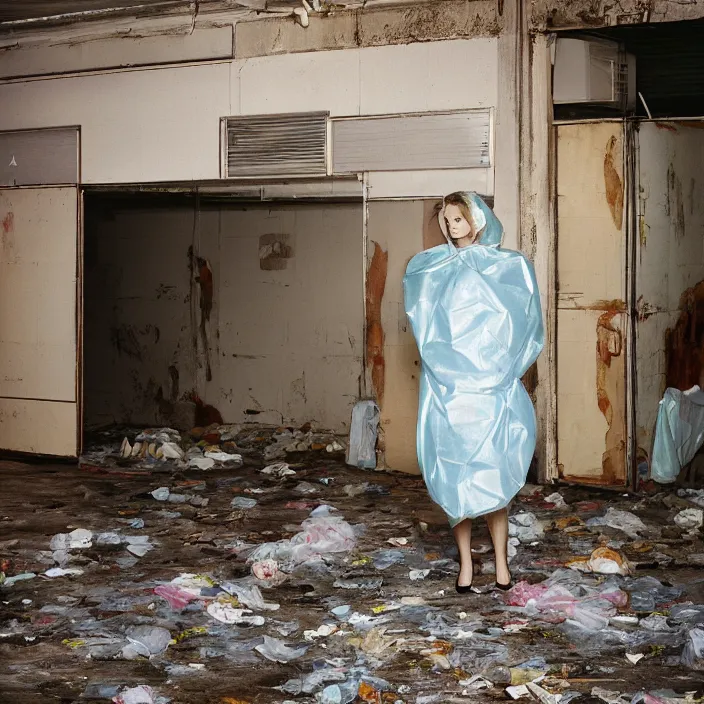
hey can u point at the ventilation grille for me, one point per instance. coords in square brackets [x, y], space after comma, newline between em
[412, 142]
[276, 145]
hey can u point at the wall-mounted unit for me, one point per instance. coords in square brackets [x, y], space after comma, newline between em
[417, 142]
[593, 71]
[271, 146]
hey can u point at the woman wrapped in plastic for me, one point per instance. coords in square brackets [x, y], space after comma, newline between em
[475, 313]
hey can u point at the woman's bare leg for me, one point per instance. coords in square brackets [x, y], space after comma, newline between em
[498, 528]
[463, 538]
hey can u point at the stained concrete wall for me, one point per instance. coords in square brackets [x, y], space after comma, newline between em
[137, 312]
[260, 331]
[397, 231]
[669, 268]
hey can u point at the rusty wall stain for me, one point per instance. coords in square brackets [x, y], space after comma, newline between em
[684, 344]
[205, 414]
[530, 380]
[432, 234]
[613, 183]
[8, 223]
[7, 240]
[611, 396]
[376, 285]
[674, 205]
[202, 275]
[666, 126]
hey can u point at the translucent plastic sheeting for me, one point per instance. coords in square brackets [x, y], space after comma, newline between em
[475, 314]
[679, 432]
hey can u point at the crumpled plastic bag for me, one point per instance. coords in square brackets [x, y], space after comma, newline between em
[321, 535]
[276, 650]
[679, 432]
[562, 597]
[693, 653]
[624, 521]
[361, 450]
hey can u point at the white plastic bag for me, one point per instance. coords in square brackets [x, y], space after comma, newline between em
[361, 451]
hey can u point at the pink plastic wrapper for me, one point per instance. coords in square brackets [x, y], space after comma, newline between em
[178, 598]
[142, 694]
[523, 592]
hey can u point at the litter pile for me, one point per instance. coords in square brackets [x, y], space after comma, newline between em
[203, 448]
[307, 582]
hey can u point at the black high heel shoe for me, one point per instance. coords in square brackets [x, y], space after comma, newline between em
[504, 587]
[466, 589]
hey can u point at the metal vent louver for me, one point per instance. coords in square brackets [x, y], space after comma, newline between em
[276, 145]
[417, 142]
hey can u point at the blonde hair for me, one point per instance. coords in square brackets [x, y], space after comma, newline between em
[460, 201]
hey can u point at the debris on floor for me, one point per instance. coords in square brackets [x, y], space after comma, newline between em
[165, 449]
[296, 578]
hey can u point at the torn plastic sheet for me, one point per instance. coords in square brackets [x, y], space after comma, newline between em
[679, 432]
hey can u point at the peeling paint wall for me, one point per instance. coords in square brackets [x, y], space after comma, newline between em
[137, 330]
[575, 14]
[398, 230]
[176, 308]
[669, 268]
[433, 20]
[591, 317]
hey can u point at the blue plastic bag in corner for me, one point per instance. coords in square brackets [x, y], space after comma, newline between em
[679, 433]
[475, 313]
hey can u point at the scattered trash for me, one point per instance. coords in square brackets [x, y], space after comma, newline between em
[278, 651]
[679, 432]
[602, 561]
[625, 521]
[691, 519]
[526, 527]
[243, 502]
[361, 451]
[328, 583]
[279, 469]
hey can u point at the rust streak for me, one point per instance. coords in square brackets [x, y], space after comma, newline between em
[611, 395]
[613, 184]
[202, 274]
[675, 202]
[666, 126]
[684, 344]
[376, 285]
[8, 223]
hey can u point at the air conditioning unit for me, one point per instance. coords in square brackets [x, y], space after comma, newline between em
[594, 71]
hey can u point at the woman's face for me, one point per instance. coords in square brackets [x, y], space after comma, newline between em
[457, 226]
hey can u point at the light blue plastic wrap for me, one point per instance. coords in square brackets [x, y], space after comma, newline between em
[475, 314]
[679, 432]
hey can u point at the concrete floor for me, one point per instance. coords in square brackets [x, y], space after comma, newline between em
[61, 638]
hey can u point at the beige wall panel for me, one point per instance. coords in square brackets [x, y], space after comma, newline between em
[582, 427]
[591, 323]
[145, 125]
[398, 229]
[590, 260]
[669, 262]
[38, 240]
[291, 339]
[416, 77]
[384, 185]
[38, 427]
[321, 80]
[591, 247]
